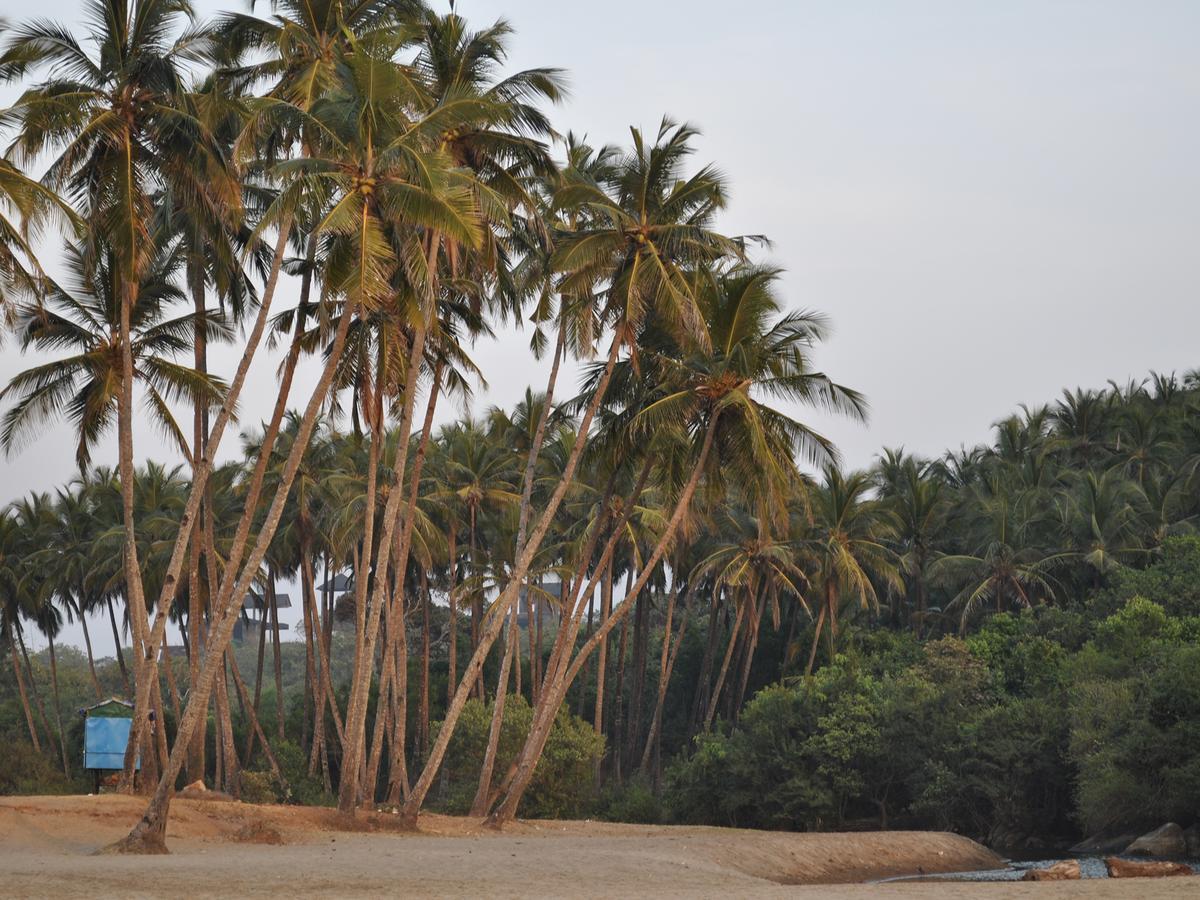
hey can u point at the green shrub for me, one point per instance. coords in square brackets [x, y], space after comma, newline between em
[25, 771]
[562, 783]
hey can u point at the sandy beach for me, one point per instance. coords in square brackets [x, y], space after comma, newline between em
[221, 848]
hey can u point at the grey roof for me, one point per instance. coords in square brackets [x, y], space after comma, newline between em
[254, 601]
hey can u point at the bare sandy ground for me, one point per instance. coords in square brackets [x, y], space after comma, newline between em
[223, 849]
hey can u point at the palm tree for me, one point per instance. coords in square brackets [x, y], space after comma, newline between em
[846, 543]
[31, 202]
[84, 318]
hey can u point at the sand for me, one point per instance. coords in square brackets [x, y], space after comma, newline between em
[221, 848]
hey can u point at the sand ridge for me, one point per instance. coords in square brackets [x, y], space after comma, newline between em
[222, 848]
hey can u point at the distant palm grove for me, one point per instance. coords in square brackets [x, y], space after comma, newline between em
[654, 594]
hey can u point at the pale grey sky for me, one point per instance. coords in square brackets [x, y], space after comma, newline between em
[991, 200]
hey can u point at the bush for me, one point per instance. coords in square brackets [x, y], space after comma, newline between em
[633, 802]
[25, 771]
[562, 784]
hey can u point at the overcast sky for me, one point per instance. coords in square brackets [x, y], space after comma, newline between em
[991, 200]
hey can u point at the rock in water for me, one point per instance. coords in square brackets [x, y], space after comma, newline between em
[1132, 868]
[1067, 870]
[1167, 841]
[1098, 844]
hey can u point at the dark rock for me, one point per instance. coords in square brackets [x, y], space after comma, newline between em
[1100, 844]
[1165, 842]
[1136, 868]
[1191, 837]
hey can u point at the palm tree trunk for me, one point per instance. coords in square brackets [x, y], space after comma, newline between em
[33, 689]
[62, 735]
[252, 721]
[275, 649]
[545, 714]
[17, 672]
[258, 680]
[135, 599]
[112, 618]
[670, 651]
[87, 641]
[509, 595]
[734, 634]
[147, 836]
[606, 592]
[812, 654]
[748, 660]
[479, 804]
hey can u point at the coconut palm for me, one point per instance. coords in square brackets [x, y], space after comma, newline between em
[83, 318]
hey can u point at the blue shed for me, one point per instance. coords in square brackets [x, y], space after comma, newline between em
[106, 733]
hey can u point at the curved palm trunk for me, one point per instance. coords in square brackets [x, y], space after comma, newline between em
[278, 661]
[147, 836]
[748, 657]
[87, 641]
[508, 596]
[734, 634]
[554, 693]
[112, 618]
[62, 735]
[17, 672]
[812, 654]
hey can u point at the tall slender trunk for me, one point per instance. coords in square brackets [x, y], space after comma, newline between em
[252, 721]
[135, 599]
[275, 649]
[148, 834]
[666, 667]
[606, 592]
[17, 673]
[196, 762]
[62, 735]
[87, 641]
[258, 676]
[554, 693]
[748, 661]
[112, 618]
[33, 689]
[812, 654]
[509, 595]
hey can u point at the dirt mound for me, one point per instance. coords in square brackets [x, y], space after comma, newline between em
[257, 833]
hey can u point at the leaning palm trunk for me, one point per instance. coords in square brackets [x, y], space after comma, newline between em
[554, 692]
[513, 635]
[201, 471]
[734, 633]
[62, 736]
[17, 672]
[147, 836]
[87, 641]
[508, 596]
